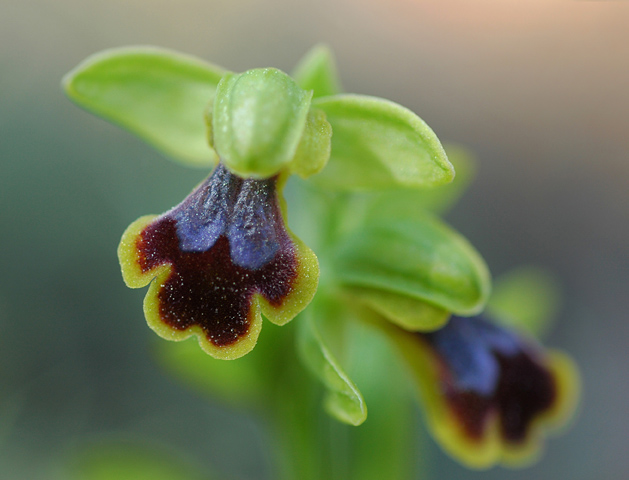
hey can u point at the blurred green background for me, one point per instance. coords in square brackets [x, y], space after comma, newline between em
[536, 90]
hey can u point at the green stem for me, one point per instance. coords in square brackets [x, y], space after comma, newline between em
[310, 445]
[295, 429]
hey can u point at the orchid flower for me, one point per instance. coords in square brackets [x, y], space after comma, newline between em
[368, 179]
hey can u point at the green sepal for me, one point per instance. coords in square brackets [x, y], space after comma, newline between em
[406, 203]
[160, 95]
[258, 120]
[379, 144]
[420, 258]
[320, 329]
[527, 299]
[317, 71]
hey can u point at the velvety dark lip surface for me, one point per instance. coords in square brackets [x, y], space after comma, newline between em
[225, 242]
[488, 371]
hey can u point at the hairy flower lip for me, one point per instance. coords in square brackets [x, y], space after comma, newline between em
[470, 348]
[241, 209]
[487, 372]
[490, 395]
[219, 259]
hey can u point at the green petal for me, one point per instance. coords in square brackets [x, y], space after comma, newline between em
[320, 326]
[313, 151]
[158, 94]
[380, 144]
[259, 117]
[420, 258]
[526, 299]
[407, 312]
[317, 72]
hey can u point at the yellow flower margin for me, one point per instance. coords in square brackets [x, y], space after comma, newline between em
[491, 449]
[301, 293]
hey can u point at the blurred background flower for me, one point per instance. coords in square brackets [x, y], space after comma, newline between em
[536, 90]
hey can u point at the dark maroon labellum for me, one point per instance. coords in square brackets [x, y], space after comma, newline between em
[487, 370]
[225, 242]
